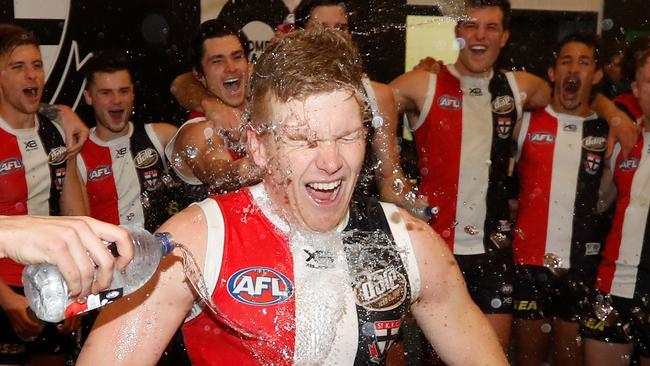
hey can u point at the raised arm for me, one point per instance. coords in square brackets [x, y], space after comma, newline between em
[410, 91]
[456, 328]
[136, 329]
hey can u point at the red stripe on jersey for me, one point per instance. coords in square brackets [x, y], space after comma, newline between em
[535, 173]
[438, 142]
[246, 291]
[623, 179]
[13, 197]
[631, 103]
[100, 183]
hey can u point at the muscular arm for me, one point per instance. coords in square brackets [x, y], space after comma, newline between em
[536, 89]
[165, 132]
[410, 90]
[212, 164]
[393, 184]
[135, 330]
[458, 331]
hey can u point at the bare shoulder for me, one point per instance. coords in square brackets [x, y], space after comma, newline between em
[189, 228]
[165, 131]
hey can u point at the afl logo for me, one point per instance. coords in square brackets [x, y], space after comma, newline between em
[449, 102]
[260, 286]
[542, 137]
[10, 166]
[100, 173]
[629, 164]
[57, 155]
[146, 158]
[503, 104]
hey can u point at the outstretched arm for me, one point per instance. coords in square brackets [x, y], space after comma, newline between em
[621, 128]
[536, 90]
[458, 331]
[136, 329]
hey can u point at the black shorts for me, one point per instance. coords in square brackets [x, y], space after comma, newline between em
[541, 294]
[14, 350]
[614, 319]
[489, 279]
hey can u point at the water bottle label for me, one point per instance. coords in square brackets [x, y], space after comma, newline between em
[93, 302]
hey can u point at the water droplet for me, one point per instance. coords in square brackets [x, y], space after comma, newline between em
[471, 230]
[607, 24]
[398, 186]
[377, 121]
[461, 43]
[191, 151]
[546, 328]
[496, 303]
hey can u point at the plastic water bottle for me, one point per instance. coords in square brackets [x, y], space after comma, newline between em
[47, 291]
[426, 213]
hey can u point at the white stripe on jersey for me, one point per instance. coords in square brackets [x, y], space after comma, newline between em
[636, 216]
[474, 169]
[564, 179]
[428, 100]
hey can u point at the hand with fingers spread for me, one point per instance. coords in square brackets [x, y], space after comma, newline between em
[74, 244]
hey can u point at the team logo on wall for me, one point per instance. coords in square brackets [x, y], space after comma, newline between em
[50, 22]
[592, 163]
[257, 19]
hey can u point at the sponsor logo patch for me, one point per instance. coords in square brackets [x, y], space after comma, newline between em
[57, 155]
[448, 102]
[570, 128]
[594, 143]
[30, 145]
[10, 166]
[475, 92]
[592, 163]
[503, 104]
[260, 286]
[542, 137]
[60, 177]
[151, 181]
[592, 248]
[100, 173]
[146, 158]
[381, 290]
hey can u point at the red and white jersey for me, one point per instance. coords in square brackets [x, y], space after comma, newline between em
[32, 171]
[117, 172]
[625, 267]
[292, 289]
[463, 144]
[560, 162]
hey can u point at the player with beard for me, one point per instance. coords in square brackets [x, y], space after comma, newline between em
[36, 180]
[558, 239]
[392, 184]
[208, 152]
[279, 257]
[123, 164]
[618, 326]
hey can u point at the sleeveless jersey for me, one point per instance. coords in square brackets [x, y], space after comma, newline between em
[124, 178]
[625, 266]
[464, 147]
[32, 171]
[340, 303]
[560, 163]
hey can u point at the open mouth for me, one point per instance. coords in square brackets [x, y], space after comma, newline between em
[232, 85]
[571, 86]
[324, 193]
[31, 92]
[116, 114]
[478, 49]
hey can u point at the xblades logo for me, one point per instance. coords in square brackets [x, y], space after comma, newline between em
[30, 145]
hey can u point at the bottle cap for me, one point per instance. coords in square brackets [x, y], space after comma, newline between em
[166, 241]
